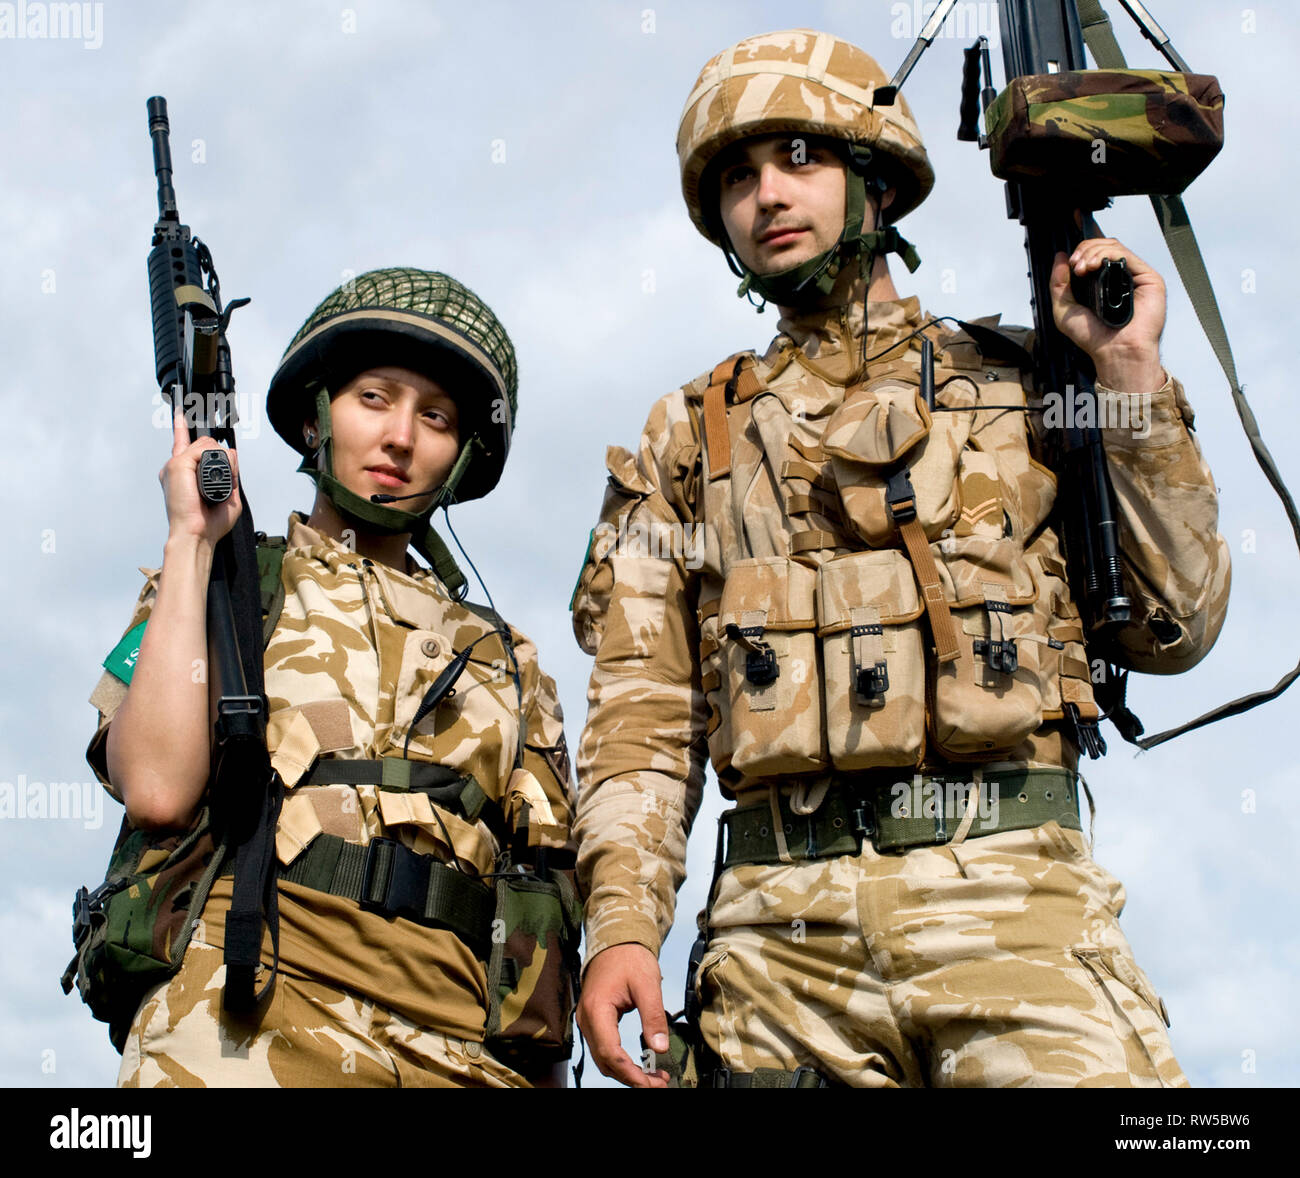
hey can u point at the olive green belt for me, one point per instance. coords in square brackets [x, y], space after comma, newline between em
[385, 877]
[913, 811]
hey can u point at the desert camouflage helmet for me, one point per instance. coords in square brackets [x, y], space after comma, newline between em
[415, 319]
[796, 81]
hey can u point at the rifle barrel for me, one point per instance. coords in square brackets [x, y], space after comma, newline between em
[160, 132]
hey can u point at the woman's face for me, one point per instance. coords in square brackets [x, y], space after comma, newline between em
[395, 433]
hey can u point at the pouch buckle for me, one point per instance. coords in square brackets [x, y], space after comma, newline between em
[873, 682]
[760, 658]
[1000, 656]
[760, 666]
[901, 497]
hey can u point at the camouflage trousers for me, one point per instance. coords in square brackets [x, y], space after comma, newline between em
[994, 962]
[307, 1035]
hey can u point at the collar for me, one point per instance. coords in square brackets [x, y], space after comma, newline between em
[300, 534]
[828, 331]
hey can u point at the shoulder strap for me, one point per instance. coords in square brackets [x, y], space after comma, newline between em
[486, 612]
[734, 380]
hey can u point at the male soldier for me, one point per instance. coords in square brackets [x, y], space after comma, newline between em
[877, 642]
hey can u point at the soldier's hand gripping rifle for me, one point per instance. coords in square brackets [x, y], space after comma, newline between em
[192, 357]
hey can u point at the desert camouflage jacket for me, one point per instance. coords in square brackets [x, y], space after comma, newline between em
[356, 647]
[795, 547]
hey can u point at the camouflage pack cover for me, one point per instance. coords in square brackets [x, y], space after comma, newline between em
[140, 920]
[1107, 132]
[418, 319]
[532, 988]
[798, 80]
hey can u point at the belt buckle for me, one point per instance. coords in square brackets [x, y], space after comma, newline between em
[862, 818]
[407, 885]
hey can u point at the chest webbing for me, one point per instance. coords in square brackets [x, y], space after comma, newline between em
[736, 381]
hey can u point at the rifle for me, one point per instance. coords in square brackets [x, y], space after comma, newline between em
[192, 359]
[1042, 39]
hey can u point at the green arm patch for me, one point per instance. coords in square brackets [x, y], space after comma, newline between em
[121, 662]
[586, 556]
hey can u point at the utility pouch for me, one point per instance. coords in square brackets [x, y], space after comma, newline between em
[989, 698]
[533, 969]
[868, 611]
[1104, 133]
[132, 931]
[767, 628]
[1065, 670]
[880, 425]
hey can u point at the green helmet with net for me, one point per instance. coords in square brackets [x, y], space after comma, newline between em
[417, 319]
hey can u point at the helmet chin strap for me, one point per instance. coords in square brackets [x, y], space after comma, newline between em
[391, 521]
[816, 277]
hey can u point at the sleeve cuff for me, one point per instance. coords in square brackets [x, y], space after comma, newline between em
[1143, 420]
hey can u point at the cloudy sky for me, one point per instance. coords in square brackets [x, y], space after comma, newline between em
[528, 150]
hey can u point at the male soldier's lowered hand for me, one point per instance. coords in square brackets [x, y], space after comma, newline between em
[617, 980]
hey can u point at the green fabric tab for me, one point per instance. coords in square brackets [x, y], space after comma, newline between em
[472, 798]
[121, 662]
[586, 556]
[396, 773]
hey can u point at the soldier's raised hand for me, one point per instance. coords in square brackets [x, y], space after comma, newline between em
[1126, 358]
[188, 513]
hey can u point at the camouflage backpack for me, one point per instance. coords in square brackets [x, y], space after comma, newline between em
[131, 932]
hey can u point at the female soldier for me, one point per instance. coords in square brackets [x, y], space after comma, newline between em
[402, 383]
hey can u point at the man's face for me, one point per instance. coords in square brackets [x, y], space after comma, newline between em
[395, 432]
[781, 199]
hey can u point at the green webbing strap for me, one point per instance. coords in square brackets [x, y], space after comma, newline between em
[1181, 242]
[901, 814]
[429, 891]
[270, 559]
[889, 241]
[1099, 35]
[769, 1078]
[447, 787]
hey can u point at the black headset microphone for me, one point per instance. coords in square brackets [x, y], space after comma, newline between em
[381, 499]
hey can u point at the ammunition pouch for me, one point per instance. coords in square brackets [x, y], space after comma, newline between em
[988, 699]
[130, 934]
[523, 924]
[873, 659]
[767, 629]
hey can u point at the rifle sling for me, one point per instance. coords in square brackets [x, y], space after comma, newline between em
[254, 815]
